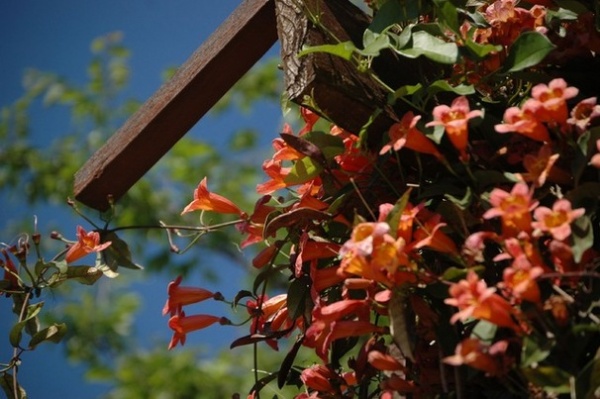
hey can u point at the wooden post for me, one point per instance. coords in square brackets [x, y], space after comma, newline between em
[171, 112]
[329, 84]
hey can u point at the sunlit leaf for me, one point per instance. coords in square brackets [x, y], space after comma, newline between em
[343, 50]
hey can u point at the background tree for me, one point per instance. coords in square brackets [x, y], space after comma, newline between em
[100, 318]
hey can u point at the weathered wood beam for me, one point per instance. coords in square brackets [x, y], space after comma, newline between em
[200, 82]
[333, 86]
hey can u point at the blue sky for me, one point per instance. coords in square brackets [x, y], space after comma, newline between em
[55, 36]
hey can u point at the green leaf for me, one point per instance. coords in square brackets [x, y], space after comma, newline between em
[485, 331]
[432, 47]
[551, 379]
[54, 334]
[373, 43]
[328, 144]
[297, 295]
[401, 325]
[582, 234]
[394, 216]
[343, 50]
[7, 384]
[304, 169]
[87, 275]
[118, 253]
[533, 353]
[528, 50]
[443, 85]
[454, 273]
[481, 50]
[396, 12]
[447, 14]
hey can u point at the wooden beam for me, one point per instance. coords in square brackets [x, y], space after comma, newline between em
[200, 82]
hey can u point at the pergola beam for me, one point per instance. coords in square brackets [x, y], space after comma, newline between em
[247, 34]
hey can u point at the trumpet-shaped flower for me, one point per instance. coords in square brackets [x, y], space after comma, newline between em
[556, 221]
[473, 353]
[180, 296]
[182, 325]
[584, 114]
[539, 166]
[204, 200]
[514, 208]
[520, 279]
[455, 120]
[406, 134]
[552, 99]
[475, 299]
[523, 121]
[87, 243]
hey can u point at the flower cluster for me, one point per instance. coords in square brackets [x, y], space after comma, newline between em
[465, 235]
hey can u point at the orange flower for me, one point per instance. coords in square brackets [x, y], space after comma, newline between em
[86, 244]
[523, 121]
[473, 353]
[474, 299]
[514, 208]
[552, 99]
[181, 296]
[430, 235]
[556, 221]
[319, 377]
[384, 362]
[182, 325]
[406, 134]
[206, 201]
[519, 279]
[455, 120]
[541, 166]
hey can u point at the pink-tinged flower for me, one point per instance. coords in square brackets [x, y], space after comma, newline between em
[473, 353]
[519, 279]
[204, 200]
[475, 244]
[474, 299]
[182, 325]
[86, 244]
[406, 134]
[181, 296]
[595, 160]
[455, 120]
[553, 100]
[514, 208]
[523, 121]
[586, 113]
[556, 221]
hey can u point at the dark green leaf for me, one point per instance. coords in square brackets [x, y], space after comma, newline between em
[394, 216]
[533, 353]
[7, 383]
[552, 379]
[401, 326]
[298, 292]
[287, 363]
[447, 14]
[241, 295]
[118, 253]
[87, 275]
[54, 334]
[296, 217]
[528, 50]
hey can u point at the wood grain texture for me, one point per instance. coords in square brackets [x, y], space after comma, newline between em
[332, 85]
[170, 113]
